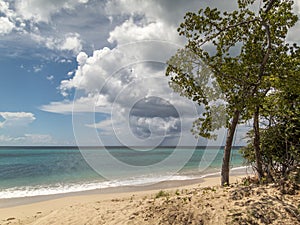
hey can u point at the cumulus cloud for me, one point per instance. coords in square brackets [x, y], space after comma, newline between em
[13, 119]
[32, 20]
[43, 10]
[72, 43]
[6, 11]
[81, 58]
[126, 81]
[6, 26]
[145, 127]
[153, 107]
[51, 23]
[170, 11]
[129, 31]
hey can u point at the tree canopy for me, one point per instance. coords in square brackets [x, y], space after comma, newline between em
[248, 55]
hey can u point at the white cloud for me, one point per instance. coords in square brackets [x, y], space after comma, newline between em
[169, 11]
[112, 80]
[129, 32]
[27, 139]
[37, 68]
[4, 6]
[297, 6]
[113, 84]
[8, 139]
[293, 34]
[43, 10]
[104, 126]
[72, 43]
[117, 7]
[70, 73]
[64, 61]
[5, 9]
[81, 58]
[93, 72]
[6, 26]
[73, 25]
[98, 73]
[64, 107]
[50, 77]
[32, 21]
[156, 126]
[13, 119]
[90, 103]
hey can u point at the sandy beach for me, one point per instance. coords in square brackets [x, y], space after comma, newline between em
[204, 202]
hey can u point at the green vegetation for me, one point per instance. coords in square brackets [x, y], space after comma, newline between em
[252, 68]
[162, 193]
[280, 138]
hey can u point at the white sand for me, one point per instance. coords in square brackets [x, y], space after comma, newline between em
[115, 208]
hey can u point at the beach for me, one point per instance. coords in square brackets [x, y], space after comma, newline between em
[56, 186]
[203, 202]
[78, 208]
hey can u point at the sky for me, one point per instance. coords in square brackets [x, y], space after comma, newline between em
[91, 72]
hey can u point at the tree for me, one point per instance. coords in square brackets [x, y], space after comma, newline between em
[280, 138]
[242, 49]
[280, 135]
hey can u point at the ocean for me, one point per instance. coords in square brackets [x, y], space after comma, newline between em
[36, 171]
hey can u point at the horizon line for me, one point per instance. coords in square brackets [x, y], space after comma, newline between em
[112, 146]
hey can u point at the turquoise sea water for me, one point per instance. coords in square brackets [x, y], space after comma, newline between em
[43, 171]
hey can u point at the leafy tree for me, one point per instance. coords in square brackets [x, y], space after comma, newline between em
[280, 135]
[246, 52]
[280, 138]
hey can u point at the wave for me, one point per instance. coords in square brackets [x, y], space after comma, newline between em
[42, 190]
[63, 188]
[235, 170]
[241, 168]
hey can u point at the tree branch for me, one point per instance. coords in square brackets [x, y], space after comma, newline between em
[270, 5]
[269, 48]
[226, 28]
[269, 41]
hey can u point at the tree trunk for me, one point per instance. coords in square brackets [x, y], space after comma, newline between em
[227, 149]
[256, 143]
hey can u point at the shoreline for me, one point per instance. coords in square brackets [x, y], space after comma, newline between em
[29, 207]
[12, 202]
[162, 185]
[199, 203]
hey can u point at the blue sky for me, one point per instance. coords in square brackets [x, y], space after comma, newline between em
[92, 72]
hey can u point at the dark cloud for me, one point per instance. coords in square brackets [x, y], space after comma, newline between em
[154, 107]
[154, 116]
